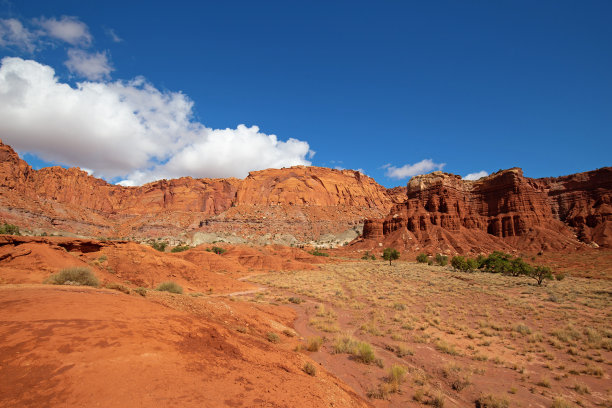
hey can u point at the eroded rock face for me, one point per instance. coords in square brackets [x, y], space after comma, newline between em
[506, 210]
[297, 204]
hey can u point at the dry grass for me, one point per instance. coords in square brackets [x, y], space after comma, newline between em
[506, 327]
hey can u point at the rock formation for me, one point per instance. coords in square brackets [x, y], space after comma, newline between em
[291, 205]
[505, 210]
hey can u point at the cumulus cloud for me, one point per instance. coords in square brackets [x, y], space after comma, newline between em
[476, 176]
[127, 130]
[93, 66]
[68, 29]
[14, 34]
[409, 170]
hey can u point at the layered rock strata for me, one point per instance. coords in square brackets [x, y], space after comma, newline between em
[505, 210]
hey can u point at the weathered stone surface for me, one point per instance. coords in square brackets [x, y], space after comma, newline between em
[292, 205]
[505, 210]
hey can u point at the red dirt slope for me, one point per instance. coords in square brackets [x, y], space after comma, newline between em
[83, 347]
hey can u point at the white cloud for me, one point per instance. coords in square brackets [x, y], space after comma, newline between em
[113, 35]
[14, 34]
[476, 176]
[128, 130]
[93, 66]
[409, 170]
[68, 29]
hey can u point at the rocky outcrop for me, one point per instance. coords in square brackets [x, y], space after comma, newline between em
[291, 205]
[506, 210]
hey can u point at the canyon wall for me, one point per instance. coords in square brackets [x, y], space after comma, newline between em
[505, 210]
[291, 205]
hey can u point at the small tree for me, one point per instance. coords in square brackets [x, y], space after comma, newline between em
[390, 254]
[540, 273]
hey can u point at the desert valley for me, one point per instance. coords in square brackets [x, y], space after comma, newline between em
[305, 287]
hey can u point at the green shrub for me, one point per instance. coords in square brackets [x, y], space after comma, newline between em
[310, 369]
[170, 286]
[295, 300]
[272, 337]
[160, 246]
[76, 275]
[217, 250]
[459, 263]
[316, 252]
[441, 260]
[9, 229]
[422, 258]
[180, 248]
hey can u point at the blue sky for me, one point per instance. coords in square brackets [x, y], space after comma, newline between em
[378, 86]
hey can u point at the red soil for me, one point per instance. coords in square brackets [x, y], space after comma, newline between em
[75, 346]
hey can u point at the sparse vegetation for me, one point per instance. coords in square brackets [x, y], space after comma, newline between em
[180, 248]
[316, 252]
[217, 250]
[77, 275]
[422, 258]
[159, 246]
[441, 260]
[118, 287]
[9, 229]
[272, 337]
[491, 401]
[170, 286]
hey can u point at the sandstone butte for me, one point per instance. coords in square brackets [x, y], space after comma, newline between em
[290, 205]
[504, 211]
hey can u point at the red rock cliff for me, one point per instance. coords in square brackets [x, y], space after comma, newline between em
[506, 210]
[304, 203]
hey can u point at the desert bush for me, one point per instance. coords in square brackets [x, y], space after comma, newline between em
[447, 348]
[118, 287]
[9, 229]
[159, 246]
[180, 248]
[295, 300]
[560, 402]
[272, 337]
[217, 250]
[310, 369]
[314, 343]
[390, 254]
[364, 353]
[316, 252]
[76, 275]
[367, 256]
[463, 264]
[441, 260]
[141, 291]
[491, 401]
[170, 286]
[396, 376]
[422, 258]
[523, 329]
